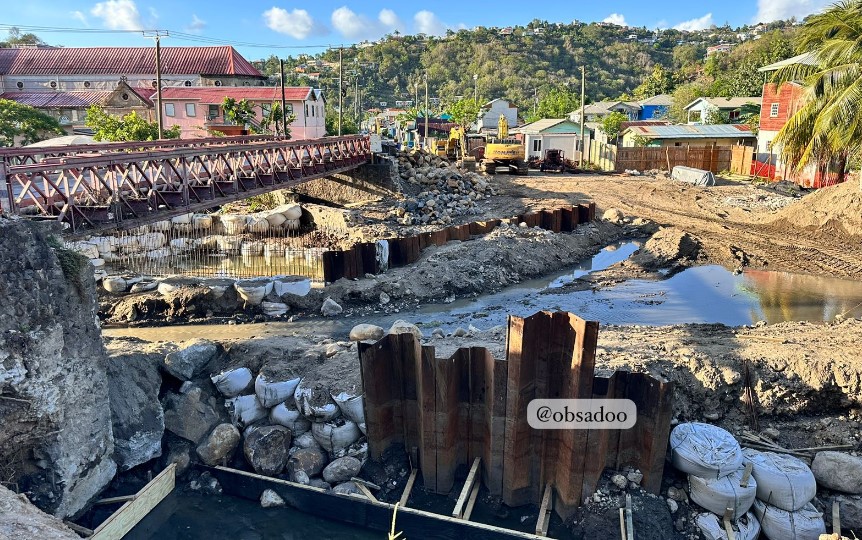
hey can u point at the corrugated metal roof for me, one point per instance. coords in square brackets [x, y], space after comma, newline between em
[538, 126]
[806, 59]
[727, 103]
[718, 131]
[661, 100]
[216, 94]
[49, 100]
[222, 60]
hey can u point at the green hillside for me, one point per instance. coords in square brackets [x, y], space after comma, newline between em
[541, 57]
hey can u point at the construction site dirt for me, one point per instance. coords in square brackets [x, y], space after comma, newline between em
[807, 374]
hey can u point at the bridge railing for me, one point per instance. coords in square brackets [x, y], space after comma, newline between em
[111, 190]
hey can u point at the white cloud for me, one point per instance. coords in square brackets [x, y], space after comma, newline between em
[662, 25]
[79, 16]
[154, 15]
[196, 26]
[118, 14]
[390, 20]
[297, 23]
[615, 18]
[775, 10]
[428, 23]
[694, 25]
[354, 25]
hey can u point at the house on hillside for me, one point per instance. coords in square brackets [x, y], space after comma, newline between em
[688, 135]
[489, 115]
[198, 110]
[70, 108]
[654, 107]
[560, 134]
[699, 110]
[595, 112]
[722, 48]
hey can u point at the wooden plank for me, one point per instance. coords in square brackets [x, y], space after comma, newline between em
[728, 524]
[365, 491]
[623, 523]
[545, 511]
[471, 502]
[630, 526]
[836, 518]
[123, 520]
[405, 495]
[78, 529]
[472, 476]
[746, 475]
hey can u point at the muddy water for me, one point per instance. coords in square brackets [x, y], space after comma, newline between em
[705, 294]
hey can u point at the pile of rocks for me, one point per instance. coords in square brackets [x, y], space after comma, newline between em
[447, 191]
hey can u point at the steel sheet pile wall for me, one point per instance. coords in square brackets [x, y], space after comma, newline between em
[360, 259]
[452, 410]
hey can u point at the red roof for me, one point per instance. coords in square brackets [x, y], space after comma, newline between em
[223, 60]
[47, 100]
[216, 94]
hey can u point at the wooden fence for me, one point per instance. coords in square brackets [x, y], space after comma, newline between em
[709, 158]
[741, 159]
[449, 411]
[370, 258]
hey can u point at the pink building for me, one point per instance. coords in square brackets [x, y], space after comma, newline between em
[197, 110]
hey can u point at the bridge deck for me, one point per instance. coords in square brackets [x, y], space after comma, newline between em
[114, 186]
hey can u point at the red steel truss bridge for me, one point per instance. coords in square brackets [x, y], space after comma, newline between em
[120, 185]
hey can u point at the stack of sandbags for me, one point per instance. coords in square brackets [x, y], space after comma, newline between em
[713, 460]
[785, 489]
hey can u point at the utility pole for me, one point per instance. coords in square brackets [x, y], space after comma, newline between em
[535, 100]
[158, 34]
[340, 88]
[356, 100]
[476, 88]
[283, 101]
[583, 92]
[426, 109]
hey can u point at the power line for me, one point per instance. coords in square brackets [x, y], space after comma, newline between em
[182, 36]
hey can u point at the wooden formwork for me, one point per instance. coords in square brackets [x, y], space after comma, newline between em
[361, 259]
[471, 405]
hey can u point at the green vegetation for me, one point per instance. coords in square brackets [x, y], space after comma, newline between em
[71, 262]
[612, 123]
[15, 38]
[546, 65]
[463, 111]
[129, 127]
[828, 127]
[26, 123]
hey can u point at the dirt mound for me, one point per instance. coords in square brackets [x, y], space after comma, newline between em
[833, 209]
[669, 248]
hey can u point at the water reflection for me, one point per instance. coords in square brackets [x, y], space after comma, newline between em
[797, 297]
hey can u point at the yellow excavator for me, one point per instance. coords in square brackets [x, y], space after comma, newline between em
[501, 151]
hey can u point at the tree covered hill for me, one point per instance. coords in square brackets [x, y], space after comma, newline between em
[541, 58]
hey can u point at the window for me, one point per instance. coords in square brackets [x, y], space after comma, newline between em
[288, 107]
[188, 83]
[190, 109]
[86, 84]
[169, 109]
[53, 84]
[537, 145]
[306, 109]
[20, 85]
[212, 113]
[773, 110]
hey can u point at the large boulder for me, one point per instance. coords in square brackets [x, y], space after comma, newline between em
[330, 308]
[23, 520]
[56, 441]
[838, 471]
[404, 327]
[366, 332]
[137, 417]
[219, 444]
[266, 449]
[188, 416]
[851, 512]
[191, 359]
[271, 499]
[341, 470]
[310, 460]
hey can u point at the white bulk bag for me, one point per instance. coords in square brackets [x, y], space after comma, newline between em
[382, 254]
[717, 494]
[233, 381]
[704, 450]
[275, 219]
[293, 211]
[233, 224]
[783, 481]
[698, 177]
[777, 524]
[271, 393]
[202, 221]
[315, 413]
[352, 407]
[289, 417]
[244, 410]
[335, 436]
[747, 527]
[257, 225]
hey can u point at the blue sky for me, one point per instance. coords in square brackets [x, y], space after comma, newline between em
[325, 22]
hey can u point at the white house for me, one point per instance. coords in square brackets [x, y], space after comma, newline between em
[489, 115]
[560, 134]
[595, 112]
[698, 110]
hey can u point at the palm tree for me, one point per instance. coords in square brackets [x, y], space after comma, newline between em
[828, 126]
